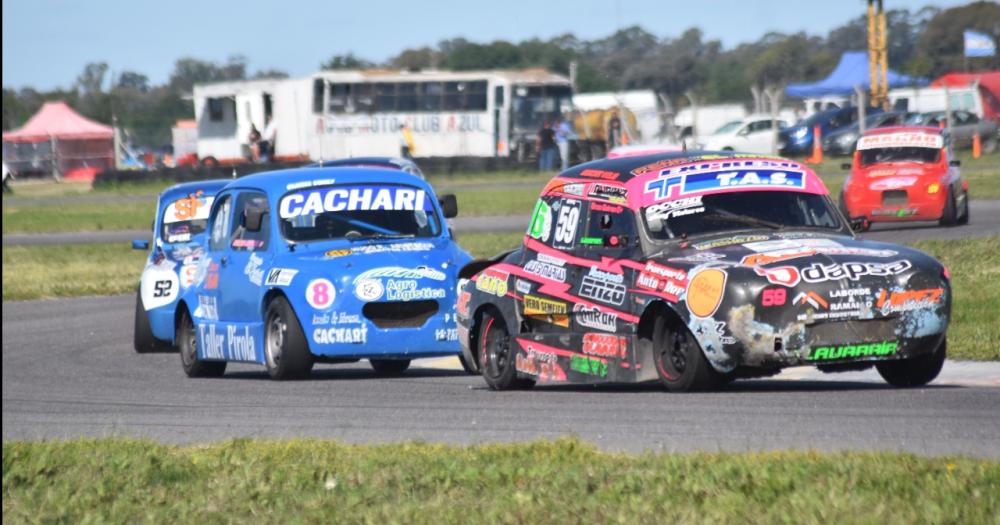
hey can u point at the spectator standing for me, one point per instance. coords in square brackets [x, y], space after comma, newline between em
[546, 146]
[268, 139]
[254, 139]
[406, 146]
[614, 130]
[564, 132]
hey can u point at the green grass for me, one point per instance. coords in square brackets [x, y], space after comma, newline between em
[508, 201]
[33, 218]
[565, 481]
[493, 177]
[34, 272]
[483, 245]
[974, 332]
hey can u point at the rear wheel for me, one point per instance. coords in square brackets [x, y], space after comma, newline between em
[187, 343]
[142, 335]
[389, 367]
[949, 214]
[680, 363]
[497, 355]
[466, 365]
[964, 218]
[286, 352]
[915, 371]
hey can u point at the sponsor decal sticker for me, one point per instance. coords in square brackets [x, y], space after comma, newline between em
[193, 207]
[599, 174]
[573, 189]
[341, 335]
[705, 291]
[603, 286]
[588, 365]
[608, 192]
[730, 174]
[353, 198]
[773, 297]
[593, 317]
[462, 306]
[728, 241]
[368, 289]
[234, 345]
[605, 208]
[493, 282]
[567, 224]
[901, 140]
[605, 345]
[333, 254]
[662, 279]
[783, 275]
[906, 300]
[207, 308]
[541, 222]
[369, 249]
[831, 353]
[553, 312]
[817, 272]
[675, 208]
[253, 271]
[280, 276]
[320, 294]
[523, 286]
[545, 269]
[335, 318]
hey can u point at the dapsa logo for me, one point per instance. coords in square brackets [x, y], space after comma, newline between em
[817, 273]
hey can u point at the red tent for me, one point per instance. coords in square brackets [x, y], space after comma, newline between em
[60, 140]
[989, 88]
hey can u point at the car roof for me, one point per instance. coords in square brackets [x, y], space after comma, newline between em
[635, 172]
[208, 187]
[931, 130]
[354, 161]
[279, 182]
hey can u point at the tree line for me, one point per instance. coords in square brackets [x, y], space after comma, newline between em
[924, 42]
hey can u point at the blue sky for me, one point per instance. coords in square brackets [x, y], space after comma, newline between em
[46, 43]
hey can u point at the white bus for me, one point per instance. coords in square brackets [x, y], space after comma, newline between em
[335, 114]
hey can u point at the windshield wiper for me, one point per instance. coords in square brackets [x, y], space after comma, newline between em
[746, 219]
[388, 236]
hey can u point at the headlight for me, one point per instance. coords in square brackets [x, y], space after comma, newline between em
[800, 132]
[847, 139]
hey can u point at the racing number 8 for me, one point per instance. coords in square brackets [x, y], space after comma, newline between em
[566, 226]
[321, 293]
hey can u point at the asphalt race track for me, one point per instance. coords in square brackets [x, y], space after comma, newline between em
[69, 370]
[985, 221]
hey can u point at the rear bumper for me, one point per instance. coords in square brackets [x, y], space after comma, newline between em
[916, 207]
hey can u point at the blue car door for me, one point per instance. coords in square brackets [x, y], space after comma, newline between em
[243, 266]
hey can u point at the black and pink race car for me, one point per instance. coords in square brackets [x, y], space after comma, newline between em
[696, 269]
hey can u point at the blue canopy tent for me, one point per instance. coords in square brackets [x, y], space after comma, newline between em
[850, 72]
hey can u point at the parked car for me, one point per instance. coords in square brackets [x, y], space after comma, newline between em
[752, 134]
[906, 174]
[323, 265]
[393, 163]
[178, 244]
[798, 139]
[963, 129]
[843, 141]
[696, 269]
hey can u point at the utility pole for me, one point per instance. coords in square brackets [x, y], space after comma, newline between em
[878, 54]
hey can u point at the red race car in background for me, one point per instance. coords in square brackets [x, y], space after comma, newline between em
[905, 174]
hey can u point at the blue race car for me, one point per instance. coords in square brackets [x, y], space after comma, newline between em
[323, 265]
[397, 163]
[178, 242]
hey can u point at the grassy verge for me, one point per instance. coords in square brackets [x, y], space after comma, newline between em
[34, 272]
[483, 245]
[124, 215]
[566, 481]
[975, 272]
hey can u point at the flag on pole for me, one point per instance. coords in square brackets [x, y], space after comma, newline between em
[979, 44]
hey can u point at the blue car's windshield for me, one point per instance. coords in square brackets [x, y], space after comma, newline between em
[357, 211]
[185, 217]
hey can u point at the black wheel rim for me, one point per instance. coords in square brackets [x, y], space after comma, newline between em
[673, 357]
[275, 339]
[496, 348]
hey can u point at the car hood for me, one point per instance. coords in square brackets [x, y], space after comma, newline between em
[797, 287]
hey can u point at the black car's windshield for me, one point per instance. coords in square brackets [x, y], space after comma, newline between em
[185, 217]
[724, 212]
[922, 155]
[358, 211]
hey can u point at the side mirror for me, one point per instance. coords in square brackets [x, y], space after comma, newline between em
[449, 205]
[253, 218]
[845, 166]
[955, 163]
[860, 224]
[140, 244]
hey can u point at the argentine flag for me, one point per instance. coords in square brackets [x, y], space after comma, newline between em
[979, 44]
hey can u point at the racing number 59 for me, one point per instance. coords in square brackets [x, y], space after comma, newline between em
[569, 218]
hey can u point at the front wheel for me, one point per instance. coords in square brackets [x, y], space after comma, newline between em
[286, 352]
[466, 365]
[187, 343]
[915, 371]
[389, 367]
[680, 363]
[497, 356]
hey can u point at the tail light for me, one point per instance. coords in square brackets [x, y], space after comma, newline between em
[945, 273]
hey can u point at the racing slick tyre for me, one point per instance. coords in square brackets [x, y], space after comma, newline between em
[467, 366]
[915, 371]
[963, 219]
[142, 335]
[187, 343]
[286, 352]
[680, 363]
[389, 367]
[496, 357]
[949, 214]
